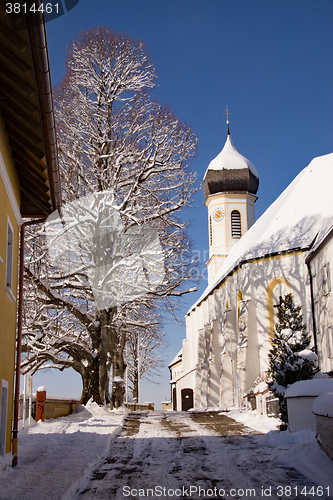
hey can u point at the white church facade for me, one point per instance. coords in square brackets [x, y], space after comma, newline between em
[251, 264]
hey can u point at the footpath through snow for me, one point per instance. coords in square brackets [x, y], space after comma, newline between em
[97, 454]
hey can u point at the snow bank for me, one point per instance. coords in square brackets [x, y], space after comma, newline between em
[323, 405]
[5, 463]
[307, 457]
[311, 388]
[55, 454]
[256, 422]
[299, 450]
[249, 418]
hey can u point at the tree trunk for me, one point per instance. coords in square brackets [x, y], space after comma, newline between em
[90, 383]
[95, 378]
[135, 380]
[118, 371]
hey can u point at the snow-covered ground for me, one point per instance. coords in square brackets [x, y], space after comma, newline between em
[55, 454]
[95, 454]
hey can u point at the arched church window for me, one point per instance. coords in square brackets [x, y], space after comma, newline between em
[236, 228]
[210, 231]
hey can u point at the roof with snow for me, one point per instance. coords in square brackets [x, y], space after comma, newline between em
[301, 215]
[319, 243]
[323, 405]
[177, 358]
[229, 172]
[311, 388]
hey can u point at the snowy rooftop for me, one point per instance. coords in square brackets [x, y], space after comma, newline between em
[231, 159]
[177, 358]
[323, 405]
[319, 242]
[301, 214]
[311, 388]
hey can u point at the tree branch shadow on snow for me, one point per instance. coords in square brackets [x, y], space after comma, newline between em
[299, 236]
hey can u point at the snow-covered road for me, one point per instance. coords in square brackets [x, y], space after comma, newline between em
[183, 455]
[98, 454]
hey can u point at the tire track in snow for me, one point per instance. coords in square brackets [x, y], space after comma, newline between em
[180, 450]
[148, 452]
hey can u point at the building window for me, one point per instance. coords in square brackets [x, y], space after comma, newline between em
[236, 229]
[9, 261]
[210, 231]
[326, 279]
[315, 287]
[3, 416]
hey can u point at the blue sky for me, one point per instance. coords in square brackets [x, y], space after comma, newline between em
[269, 61]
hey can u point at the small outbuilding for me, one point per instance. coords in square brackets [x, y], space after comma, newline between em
[300, 398]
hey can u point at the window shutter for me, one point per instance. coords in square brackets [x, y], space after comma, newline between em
[328, 277]
[9, 257]
[236, 229]
[329, 345]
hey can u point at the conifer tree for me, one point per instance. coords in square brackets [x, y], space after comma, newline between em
[290, 359]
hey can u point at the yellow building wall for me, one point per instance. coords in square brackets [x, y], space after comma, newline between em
[7, 307]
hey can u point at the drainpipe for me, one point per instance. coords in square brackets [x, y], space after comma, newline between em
[19, 339]
[39, 54]
[313, 309]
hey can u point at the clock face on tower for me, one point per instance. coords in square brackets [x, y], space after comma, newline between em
[218, 214]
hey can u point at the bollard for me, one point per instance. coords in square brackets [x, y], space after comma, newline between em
[40, 399]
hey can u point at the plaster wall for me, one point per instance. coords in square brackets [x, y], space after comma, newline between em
[220, 234]
[324, 427]
[229, 333]
[323, 303]
[300, 414]
[9, 211]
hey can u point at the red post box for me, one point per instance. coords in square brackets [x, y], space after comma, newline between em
[40, 399]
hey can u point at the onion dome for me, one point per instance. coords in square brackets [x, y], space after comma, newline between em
[230, 172]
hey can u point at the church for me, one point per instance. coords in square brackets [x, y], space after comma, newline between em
[251, 264]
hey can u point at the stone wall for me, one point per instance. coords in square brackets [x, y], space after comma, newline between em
[325, 434]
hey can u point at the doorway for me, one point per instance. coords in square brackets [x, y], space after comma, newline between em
[174, 399]
[187, 399]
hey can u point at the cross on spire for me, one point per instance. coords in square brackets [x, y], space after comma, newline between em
[227, 112]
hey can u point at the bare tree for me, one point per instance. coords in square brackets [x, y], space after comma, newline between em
[144, 345]
[112, 137]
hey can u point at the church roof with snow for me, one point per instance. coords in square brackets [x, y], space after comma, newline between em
[301, 215]
[230, 172]
[177, 358]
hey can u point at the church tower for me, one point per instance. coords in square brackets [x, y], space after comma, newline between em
[230, 185]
